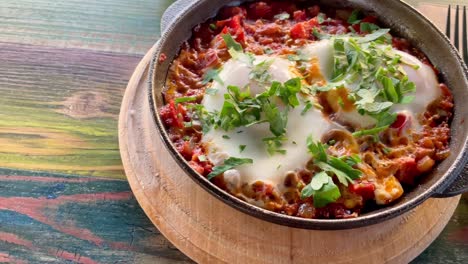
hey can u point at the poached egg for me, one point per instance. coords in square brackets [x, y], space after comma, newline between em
[221, 144]
[427, 86]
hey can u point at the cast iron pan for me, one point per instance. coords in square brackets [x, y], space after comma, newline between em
[450, 178]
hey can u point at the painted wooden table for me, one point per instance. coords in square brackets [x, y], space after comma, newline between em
[64, 66]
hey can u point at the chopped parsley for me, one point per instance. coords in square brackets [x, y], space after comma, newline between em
[368, 27]
[185, 99]
[321, 18]
[274, 145]
[370, 132]
[211, 91]
[260, 71]
[212, 75]
[322, 188]
[202, 158]
[354, 18]
[231, 43]
[242, 109]
[242, 148]
[372, 72]
[229, 164]
[299, 56]
[226, 137]
[307, 107]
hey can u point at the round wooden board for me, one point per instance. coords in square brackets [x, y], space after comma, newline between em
[209, 231]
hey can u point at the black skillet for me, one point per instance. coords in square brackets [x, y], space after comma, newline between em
[450, 178]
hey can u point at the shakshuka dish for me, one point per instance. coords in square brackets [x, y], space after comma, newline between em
[306, 110]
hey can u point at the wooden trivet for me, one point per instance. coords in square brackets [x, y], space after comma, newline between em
[209, 231]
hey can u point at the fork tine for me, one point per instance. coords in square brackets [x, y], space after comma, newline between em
[465, 37]
[449, 22]
[457, 28]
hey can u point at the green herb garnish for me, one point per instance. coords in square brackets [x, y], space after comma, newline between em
[260, 71]
[211, 91]
[368, 27]
[202, 158]
[185, 99]
[229, 164]
[373, 75]
[307, 107]
[321, 18]
[242, 148]
[274, 145]
[354, 18]
[322, 188]
[212, 75]
[231, 43]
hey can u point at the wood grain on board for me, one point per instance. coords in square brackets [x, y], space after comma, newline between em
[64, 66]
[209, 231]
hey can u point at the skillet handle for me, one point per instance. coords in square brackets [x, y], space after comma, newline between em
[459, 186]
[172, 13]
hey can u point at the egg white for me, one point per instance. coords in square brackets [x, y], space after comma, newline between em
[265, 167]
[427, 86]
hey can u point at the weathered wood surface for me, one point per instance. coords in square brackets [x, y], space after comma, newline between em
[64, 66]
[57, 218]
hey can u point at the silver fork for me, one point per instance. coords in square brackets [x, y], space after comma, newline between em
[457, 35]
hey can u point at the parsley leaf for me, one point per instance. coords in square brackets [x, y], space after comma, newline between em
[316, 149]
[374, 36]
[289, 94]
[321, 18]
[231, 43]
[211, 91]
[373, 75]
[242, 148]
[369, 132]
[343, 171]
[329, 193]
[354, 18]
[307, 107]
[202, 158]
[315, 184]
[240, 108]
[212, 75]
[185, 99]
[260, 71]
[277, 119]
[229, 164]
[369, 27]
[323, 190]
[274, 145]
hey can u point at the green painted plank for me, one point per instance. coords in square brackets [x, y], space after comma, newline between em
[108, 25]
